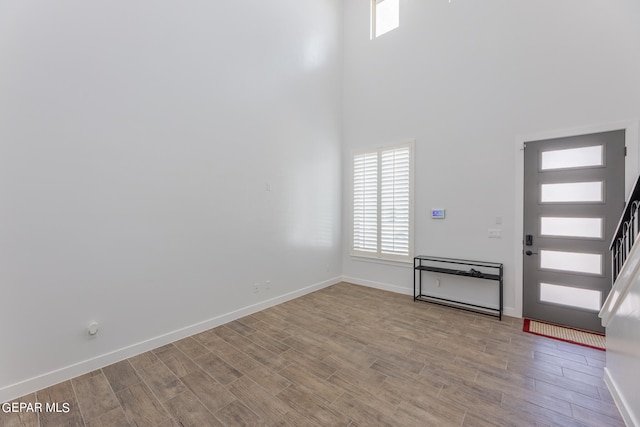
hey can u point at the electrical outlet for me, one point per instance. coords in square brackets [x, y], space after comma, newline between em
[256, 288]
[495, 233]
[438, 282]
[267, 285]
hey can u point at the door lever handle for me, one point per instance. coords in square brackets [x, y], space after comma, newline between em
[531, 253]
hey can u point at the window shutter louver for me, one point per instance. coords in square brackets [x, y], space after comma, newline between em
[382, 212]
[365, 202]
[394, 202]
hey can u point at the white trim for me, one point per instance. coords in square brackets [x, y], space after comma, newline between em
[381, 147]
[511, 312]
[372, 22]
[378, 285]
[632, 166]
[621, 403]
[518, 220]
[48, 379]
[404, 263]
[366, 255]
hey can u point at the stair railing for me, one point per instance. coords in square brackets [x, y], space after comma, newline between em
[626, 232]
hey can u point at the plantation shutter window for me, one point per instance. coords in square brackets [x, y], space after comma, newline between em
[382, 203]
[365, 202]
[394, 202]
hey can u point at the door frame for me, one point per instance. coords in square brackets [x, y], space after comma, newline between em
[632, 169]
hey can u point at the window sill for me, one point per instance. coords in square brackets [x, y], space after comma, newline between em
[375, 260]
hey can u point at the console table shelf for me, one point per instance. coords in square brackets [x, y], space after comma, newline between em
[458, 267]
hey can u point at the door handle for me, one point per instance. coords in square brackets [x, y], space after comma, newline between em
[529, 253]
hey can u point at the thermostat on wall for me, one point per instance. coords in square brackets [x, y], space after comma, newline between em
[437, 213]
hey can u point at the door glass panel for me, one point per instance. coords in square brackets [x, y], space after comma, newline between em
[571, 192]
[572, 158]
[574, 297]
[571, 261]
[571, 227]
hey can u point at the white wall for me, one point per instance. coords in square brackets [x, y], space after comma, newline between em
[465, 79]
[137, 143]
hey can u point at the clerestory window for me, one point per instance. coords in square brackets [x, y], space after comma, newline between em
[385, 16]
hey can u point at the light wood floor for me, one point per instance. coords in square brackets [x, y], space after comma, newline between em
[345, 356]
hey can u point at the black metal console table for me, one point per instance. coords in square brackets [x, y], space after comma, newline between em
[458, 267]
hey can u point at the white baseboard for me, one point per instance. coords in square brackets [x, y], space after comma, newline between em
[378, 285]
[507, 311]
[48, 379]
[511, 312]
[625, 411]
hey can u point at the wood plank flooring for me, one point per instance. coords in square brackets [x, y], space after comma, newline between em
[344, 356]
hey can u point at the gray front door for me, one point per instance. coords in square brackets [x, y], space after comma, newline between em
[573, 199]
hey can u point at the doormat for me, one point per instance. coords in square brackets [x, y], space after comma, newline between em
[574, 336]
